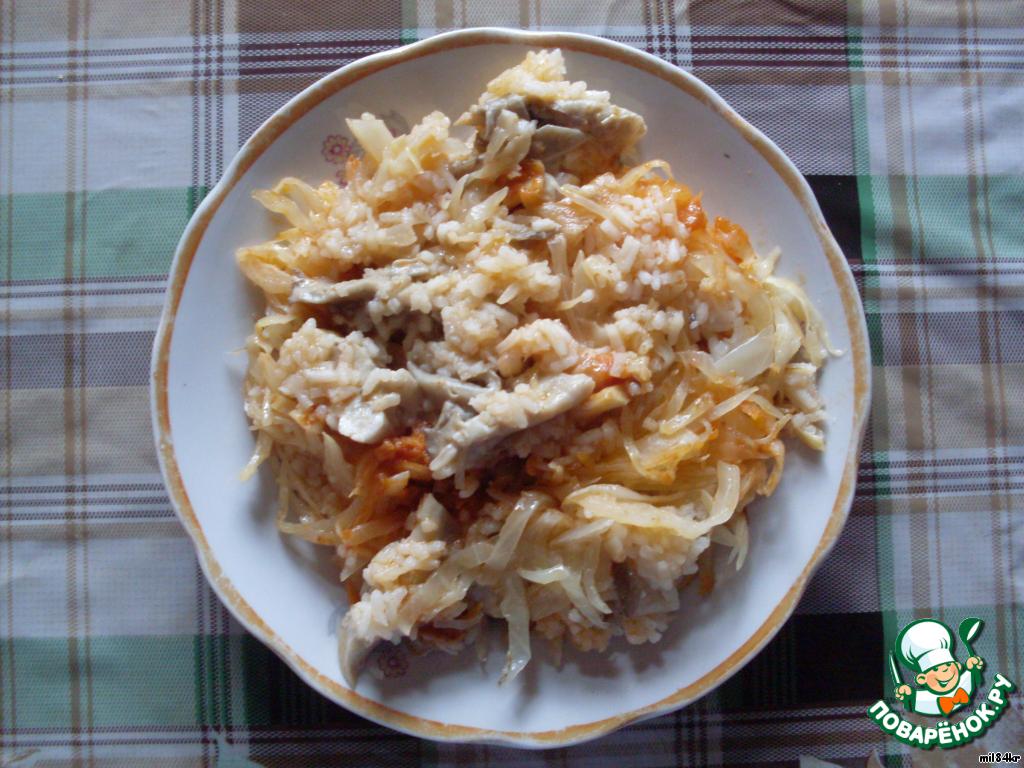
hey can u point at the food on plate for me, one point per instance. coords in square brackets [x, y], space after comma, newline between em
[508, 373]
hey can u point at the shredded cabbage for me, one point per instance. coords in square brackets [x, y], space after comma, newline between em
[749, 359]
[511, 532]
[517, 614]
[545, 575]
[372, 134]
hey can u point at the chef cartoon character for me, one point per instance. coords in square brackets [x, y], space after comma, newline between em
[926, 647]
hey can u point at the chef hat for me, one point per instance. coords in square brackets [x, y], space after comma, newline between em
[925, 644]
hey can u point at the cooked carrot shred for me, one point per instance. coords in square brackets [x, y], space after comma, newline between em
[411, 448]
[734, 239]
[528, 188]
[598, 366]
[693, 215]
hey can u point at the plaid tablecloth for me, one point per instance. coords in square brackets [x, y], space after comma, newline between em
[116, 117]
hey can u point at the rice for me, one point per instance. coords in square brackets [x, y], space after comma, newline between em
[513, 377]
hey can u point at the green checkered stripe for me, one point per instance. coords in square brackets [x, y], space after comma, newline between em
[904, 116]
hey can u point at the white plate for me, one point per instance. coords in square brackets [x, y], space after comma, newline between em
[282, 591]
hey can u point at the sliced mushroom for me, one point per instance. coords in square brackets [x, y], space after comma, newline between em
[484, 116]
[603, 121]
[318, 291]
[554, 395]
[582, 136]
[513, 103]
[353, 645]
[373, 282]
[458, 426]
[550, 142]
[445, 388]
[362, 420]
[466, 440]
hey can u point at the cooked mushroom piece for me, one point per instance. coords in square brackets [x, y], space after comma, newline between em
[606, 122]
[354, 643]
[583, 136]
[463, 440]
[550, 142]
[484, 116]
[445, 388]
[319, 291]
[363, 420]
